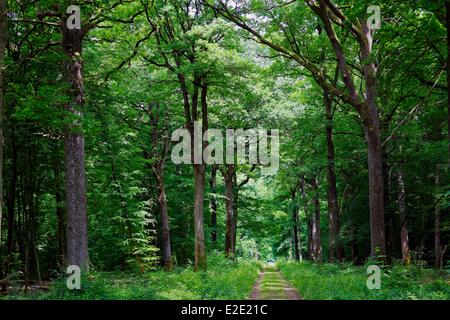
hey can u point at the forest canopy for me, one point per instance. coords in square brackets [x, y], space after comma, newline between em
[343, 154]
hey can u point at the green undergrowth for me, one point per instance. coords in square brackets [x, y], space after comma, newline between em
[224, 279]
[347, 282]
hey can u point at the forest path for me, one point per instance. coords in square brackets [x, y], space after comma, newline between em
[272, 286]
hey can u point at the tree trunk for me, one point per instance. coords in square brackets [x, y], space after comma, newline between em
[447, 22]
[77, 230]
[199, 175]
[368, 112]
[308, 217]
[212, 184]
[333, 215]
[229, 203]
[404, 240]
[3, 42]
[200, 249]
[375, 161]
[11, 201]
[235, 209]
[390, 215]
[315, 225]
[437, 225]
[295, 221]
[166, 248]
[354, 251]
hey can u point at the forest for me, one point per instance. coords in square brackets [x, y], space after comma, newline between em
[220, 149]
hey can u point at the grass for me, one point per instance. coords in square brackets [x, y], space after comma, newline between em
[224, 279]
[272, 285]
[347, 282]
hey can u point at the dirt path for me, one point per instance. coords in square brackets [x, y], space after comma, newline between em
[272, 286]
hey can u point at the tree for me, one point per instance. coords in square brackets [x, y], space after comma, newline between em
[77, 238]
[158, 122]
[330, 15]
[3, 42]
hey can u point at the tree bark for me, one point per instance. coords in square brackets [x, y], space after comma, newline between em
[375, 160]
[160, 150]
[213, 185]
[164, 214]
[230, 231]
[295, 221]
[404, 240]
[308, 216]
[3, 42]
[200, 248]
[315, 225]
[77, 229]
[333, 214]
[199, 177]
[235, 209]
[368, 112]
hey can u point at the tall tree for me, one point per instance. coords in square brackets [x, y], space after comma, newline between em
[77, 229]
[213, 187]
[404, 238]
[296, 223]
[230, 231]
[330, 16]
[333, 212]
[160, 136]
[447, 24]
[316, 248]
[3, 42]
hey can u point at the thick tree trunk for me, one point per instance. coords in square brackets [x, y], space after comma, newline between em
[213, 185]
[368, 112]
[3, 42]
[333, 214]
[375, 161]
[77, 230]
[404, 240]
[375, 164]
[229, 204]
[315, 225]
[199, 178]
[164, 215]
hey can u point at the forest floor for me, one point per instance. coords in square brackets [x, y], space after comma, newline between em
[345, 281]
[272, 286]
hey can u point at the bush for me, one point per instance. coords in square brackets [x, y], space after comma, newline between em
[225, 279]
[344, 281]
